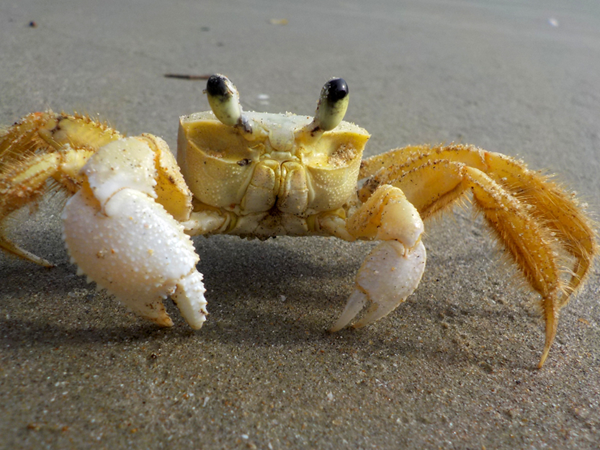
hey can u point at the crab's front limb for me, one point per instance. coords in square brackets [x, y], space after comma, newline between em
[394, 268]
[546, 201]
[122, 237]
[533, 217]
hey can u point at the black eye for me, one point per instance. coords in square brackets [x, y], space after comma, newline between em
[216, 86]
[332, 105]
[224, 101]
[337, 90]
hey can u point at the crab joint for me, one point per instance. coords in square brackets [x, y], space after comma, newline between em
[224, 101]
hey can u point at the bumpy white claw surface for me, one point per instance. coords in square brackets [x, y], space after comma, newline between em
[386, 278]
[126, 242]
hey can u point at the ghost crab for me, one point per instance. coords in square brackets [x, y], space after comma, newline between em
[261, 175]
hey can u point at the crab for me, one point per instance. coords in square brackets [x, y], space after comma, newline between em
[133, 207]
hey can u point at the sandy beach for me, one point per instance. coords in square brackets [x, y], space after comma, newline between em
[453, 367]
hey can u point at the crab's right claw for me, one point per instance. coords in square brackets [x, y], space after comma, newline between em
[127, 242]
[387, 277]
[394, 268]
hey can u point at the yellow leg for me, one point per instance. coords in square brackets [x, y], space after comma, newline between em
[528, 242]
[436, 184]
[22, 188]
[9, 247]
[546, 201]
[553, 207]
[40, 147]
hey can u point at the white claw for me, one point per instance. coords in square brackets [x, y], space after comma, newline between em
[356, 303]
[189, 289]
[126, 242]
[387, 277]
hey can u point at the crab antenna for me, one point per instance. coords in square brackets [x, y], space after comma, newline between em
[224, 101]
[332, 106]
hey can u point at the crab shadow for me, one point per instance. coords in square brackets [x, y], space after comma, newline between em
[232, 268]
[245, 282]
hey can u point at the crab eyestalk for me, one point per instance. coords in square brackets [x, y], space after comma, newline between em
[331, 108]
[224, 101]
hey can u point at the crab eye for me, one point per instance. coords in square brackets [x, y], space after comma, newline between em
[333, 104]
[224, 101]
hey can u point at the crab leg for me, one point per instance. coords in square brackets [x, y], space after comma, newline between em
[393, 270]
[126, 241]
[32, 175]
[44, 146]
[548, 203]
[529, 242]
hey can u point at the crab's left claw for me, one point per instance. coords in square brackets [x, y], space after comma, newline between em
[394, 268]
[122, 237]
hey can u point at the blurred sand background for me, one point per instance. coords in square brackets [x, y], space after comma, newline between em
[454, 367]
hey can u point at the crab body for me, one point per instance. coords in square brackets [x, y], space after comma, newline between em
[274, 180]
[259, 175]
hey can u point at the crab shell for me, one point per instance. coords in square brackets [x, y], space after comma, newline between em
[278, 167]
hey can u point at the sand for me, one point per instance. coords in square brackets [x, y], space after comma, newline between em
[453, 367]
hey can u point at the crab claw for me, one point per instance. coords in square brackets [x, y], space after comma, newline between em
[126, 242]
[394, 268]
[386, 278]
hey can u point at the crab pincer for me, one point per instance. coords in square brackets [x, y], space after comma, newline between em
[393, 269]
[127, 242]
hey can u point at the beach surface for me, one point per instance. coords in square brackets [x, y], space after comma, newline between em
[453, 367]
